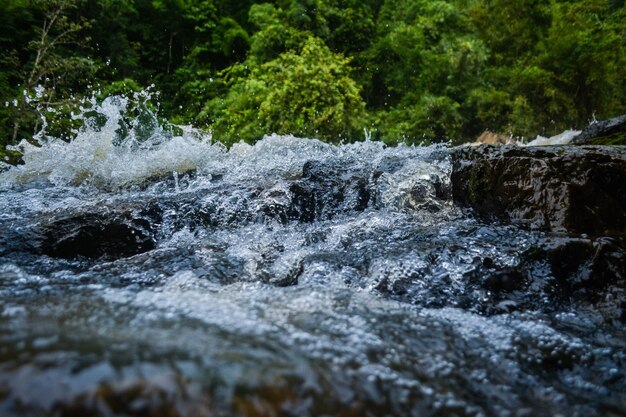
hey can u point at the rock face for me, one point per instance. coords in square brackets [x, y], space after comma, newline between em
[606, 132]
[567, 189]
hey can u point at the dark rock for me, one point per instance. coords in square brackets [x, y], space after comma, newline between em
[442, 190]
[303, 203]
[606, 132]
[570, 257]
[428, 193]
[556, 273]
[506, 280]
[582, 269]
[566, 189]
[609, 261]
[100, 233]
[325, 190]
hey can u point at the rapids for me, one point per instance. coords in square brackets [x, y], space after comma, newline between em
[287, 278]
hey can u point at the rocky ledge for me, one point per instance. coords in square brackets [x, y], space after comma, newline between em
[565, 189]
[577, 195]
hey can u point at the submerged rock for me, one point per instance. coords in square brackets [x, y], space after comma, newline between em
[594, 264]
[605, 132]
[560, 189]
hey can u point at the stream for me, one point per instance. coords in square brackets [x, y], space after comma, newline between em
[150, 273]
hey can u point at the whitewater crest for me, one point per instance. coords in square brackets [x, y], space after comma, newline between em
[121, 143]
[114, 148]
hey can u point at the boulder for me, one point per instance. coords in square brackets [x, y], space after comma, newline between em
[326, 189]
[587, 264]
[103, 232]
[566, 189]
[605, 132]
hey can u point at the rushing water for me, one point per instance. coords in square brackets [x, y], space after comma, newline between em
[288, 278]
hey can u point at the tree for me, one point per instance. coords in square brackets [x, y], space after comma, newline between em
[307, 92]
[423, 65]
[585, 50]
[51, 71]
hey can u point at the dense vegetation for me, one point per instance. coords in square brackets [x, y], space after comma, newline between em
[415, 70]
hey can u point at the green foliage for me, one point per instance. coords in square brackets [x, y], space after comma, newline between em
[306, 92]
[123, 87]
[48, 72]
[560, 61]
[427, 62]
[425, 120]
[311, 94]
[512, 29]
[587, 55]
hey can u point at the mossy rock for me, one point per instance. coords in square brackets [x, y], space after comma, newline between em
[614, 139]
[605, 132]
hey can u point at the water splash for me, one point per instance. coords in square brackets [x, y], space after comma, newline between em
[560, 139]
[119, 144]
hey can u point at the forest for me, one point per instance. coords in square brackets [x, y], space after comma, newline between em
[415, 71]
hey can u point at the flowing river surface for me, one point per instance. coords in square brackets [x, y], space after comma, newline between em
[149, 274]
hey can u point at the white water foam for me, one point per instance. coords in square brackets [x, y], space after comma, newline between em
[110, 152]
[105, 157]
[563, 138]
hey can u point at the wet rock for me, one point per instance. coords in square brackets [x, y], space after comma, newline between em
[564, 189]
[338, 188]
[303, 203]
[387, 164]
[325, 190]
[580, 264]
[556, 273]
[429, 193]
[579, 272]
[328, 188]
[506, 280]
[568, 258]
[605, 132]
[275, 204]
[609, 260]
[101, 233]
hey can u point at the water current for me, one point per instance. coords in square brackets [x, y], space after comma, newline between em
[150, 273]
